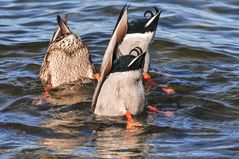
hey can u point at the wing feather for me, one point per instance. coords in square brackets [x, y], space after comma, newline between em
[117, 37]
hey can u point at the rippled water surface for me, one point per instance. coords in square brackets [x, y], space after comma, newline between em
[195, 51]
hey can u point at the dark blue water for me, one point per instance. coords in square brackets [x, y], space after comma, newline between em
[195, 51]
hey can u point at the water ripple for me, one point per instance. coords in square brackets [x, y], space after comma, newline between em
[195, 51]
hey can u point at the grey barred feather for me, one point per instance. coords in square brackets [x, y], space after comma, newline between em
[121, 92]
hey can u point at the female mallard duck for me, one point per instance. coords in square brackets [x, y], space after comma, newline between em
[67, 60]
[120, 88]
[140, 33]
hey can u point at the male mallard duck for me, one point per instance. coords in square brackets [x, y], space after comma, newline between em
[140, 33]
[122, 91]
[67, 60]
[120, 88]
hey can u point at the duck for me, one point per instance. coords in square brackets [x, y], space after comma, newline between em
[67, 60]
[140, 33]
[120, 90]
[123, 90]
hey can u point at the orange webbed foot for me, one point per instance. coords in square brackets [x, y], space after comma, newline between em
[148, 78]
[166, 113]
[167, 89]
[39, 101]
[46, 90]
[46, 93]
[131, 123]
[97, 76]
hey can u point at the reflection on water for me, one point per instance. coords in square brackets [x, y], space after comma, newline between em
[72, 130]
[67, 95]
[118, 142]
[68, 132]
[195, 51]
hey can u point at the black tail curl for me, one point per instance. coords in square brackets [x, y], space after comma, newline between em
[138, 50]
[150, 12]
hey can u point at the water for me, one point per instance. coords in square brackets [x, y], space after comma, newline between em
[195, 51]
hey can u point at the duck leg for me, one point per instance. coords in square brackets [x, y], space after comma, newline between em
[97, 76]
[148, 78]
[166, 113]
[45, 94]
[46, 90]
[131, 123]
[167, 89]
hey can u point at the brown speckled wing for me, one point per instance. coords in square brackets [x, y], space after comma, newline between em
[44, 71]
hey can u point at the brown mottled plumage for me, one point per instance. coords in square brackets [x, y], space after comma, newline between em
[67, 60]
